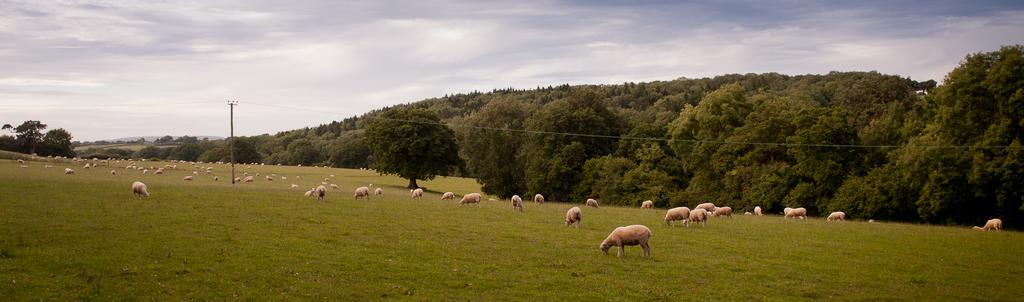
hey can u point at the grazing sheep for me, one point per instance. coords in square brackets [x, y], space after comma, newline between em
[993, 224]
[69, 171]
[448, 196]
[757, 211]
[248, 178]
[574, 216]
[647, 204]
[417, 193]
[378, 191]
[723, 211]
[215, 178]
[698, 216]
[47, 166]
[139, 189]
[86, 166]
[320, 193]
[336, 187]
[628, 235]
[268, 178]
[680, 213]
[113, 172]
[362, 192]
[797, 213]
[471, 198]
[748, 213]
[310, 192]
[20, 161]
[871, 221]
[159, 171]
[22, 166]
[786, 211]
[284, 178]
[707, 206]
[592, 203]
[187, 177]
[197, 173]
[145, 171]
[978, 228]
[538, 198]
[517, 203]
[295, 186]
[836, 216]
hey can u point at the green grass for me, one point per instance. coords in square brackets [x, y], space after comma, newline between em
[83, 237]
[126, 146]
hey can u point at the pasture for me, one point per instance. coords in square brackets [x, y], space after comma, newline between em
[84, 237]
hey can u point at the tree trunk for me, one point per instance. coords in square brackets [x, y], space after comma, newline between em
[412, 183]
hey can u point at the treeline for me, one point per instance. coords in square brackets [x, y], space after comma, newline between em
[29, 137]
[873, 145]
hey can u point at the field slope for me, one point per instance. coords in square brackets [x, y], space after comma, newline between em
[83, 237]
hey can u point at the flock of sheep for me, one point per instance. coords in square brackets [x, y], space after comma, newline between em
[619, 237]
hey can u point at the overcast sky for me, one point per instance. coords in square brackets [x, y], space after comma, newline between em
[109, 69]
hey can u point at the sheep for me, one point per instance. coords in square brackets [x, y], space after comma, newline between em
[215, 178]
[336, 187]
[417, 193]
[139, 189]
[159, 171]
[471, 198]
[628, 235]
[22, 166]
[237, 180]
[680, 213]
[992, 224]
[698, 216]
[197, 173]
[362, 192]
[871, 221]
[517, 203]
[145, 171]
[20, 161]
[723, 211]
[113, 172]
[786, 211]
[836, 216]
[378, 191]
[47, 166]
[86, 166]
[748, 213]
[448, 196]
[757, 211]
[294, 186]
[248, 178]
[320, 193]
[707, 206]
[538, 199]
[797, 213]
[284, 178]
[187, 177]
[647, 204]
[309, 193]
[574, 216]
[268, 178]
[592, 203]
[69, 171]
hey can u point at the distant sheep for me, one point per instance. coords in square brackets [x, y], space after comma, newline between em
[797, 213]
[757, 211]
[294, 186]
[378, 191]
[574, 216]
[707, 206]
[21, 161]
[268, 178]
[628, 235]
[309, 193]
[215, 178]
[139, 189]
[69, 171]
[538, 198]
[22, 166]
[647, 204]
[723, 211]
[448, 196]
[417, 193]
[336, 187]
[113, 172]
[698, 216]
[836, 216]
[992, 224]
[361, 192]
[187, 177]
[320, 193]
[517, 203]
[248, 179]
[680, 213]
[471, 198]
[592, 203]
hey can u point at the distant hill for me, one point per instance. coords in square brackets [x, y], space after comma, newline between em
[153, 138]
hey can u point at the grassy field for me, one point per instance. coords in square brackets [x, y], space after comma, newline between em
[83, 237]
[126, 146]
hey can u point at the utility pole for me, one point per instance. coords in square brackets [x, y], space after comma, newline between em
[231, 143]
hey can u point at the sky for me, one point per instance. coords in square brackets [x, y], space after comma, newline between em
[110, 69]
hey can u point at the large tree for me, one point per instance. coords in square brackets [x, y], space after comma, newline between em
[412, 143]
[492, 151]
[57, 142]
[30, 134]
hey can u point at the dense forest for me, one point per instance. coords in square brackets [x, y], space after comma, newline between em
[873, 145]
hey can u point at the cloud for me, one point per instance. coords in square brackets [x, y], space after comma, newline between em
[107, 69]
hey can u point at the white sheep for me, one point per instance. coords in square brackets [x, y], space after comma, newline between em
[592, 203]
[538, 199]
[139, 189]
[69, 171]
[647, 204]
[362, 192]
[248, 179]
[268, 178]
[448, 196]
[679, 213]
[723, 211]
[698, 216]
[215, 178]
[836, 216]
[517, 203]
[707, 206]
[320, 193]
[628, 235]
[145, 171]
[159, 171]
[21, 161]
[336, 187]
[187, 177]
[471, 198]
[113, 172]
[757, 211]
[797, 213]
[574, 216]
[294, 186]
[992, 224]
[309, 193]
[417, 193]
[22, 166]
[378, 191]
[786, 211]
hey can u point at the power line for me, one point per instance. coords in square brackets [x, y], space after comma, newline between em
[659, 139]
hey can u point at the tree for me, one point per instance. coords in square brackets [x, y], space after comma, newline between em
[57, 142]
[166, 139]
[30, 135]
[187, 152]
[349, 151]
[492, 155]
[148, 152]
[413, 144]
